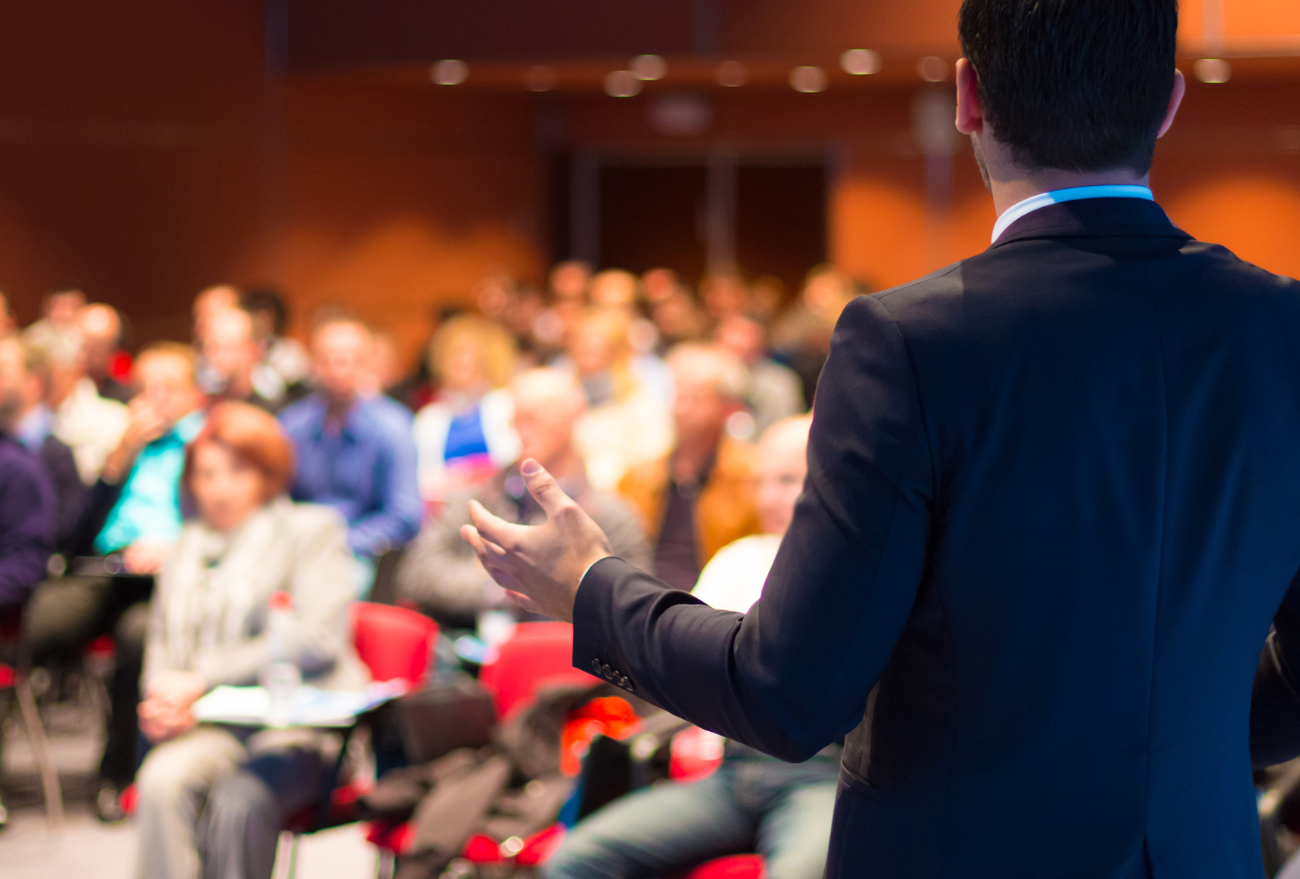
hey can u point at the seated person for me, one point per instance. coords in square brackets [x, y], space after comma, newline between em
[131, 518]
[284, 358]
[627, 421]
[88, 423]
[753, 803]
[440, 572]
[212, 799]
[355, 451]
[465, 435]
[231, 354]
[26, 381]
[773, 391]
[699, 498]
[27, 523]
[101, 338]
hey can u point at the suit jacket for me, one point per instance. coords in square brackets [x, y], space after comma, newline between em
[1053, 505]
[70, 492]
[724, 510]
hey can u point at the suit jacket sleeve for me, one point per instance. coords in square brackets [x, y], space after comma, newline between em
[1275, 699]
[793, 674]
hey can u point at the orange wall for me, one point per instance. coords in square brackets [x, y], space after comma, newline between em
[139, 156]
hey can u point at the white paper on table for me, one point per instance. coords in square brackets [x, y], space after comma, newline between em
[251, 706]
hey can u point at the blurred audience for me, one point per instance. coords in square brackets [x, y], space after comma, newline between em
[212, 799]
[131, 518]
[101, 339]
[91, 425]
[466, 435]
[231, 353]
[24, 387]
[637, 394]
[27, 520]
[627, 422]
[801, 337]
[440, 572]
[724, 293]
[698, 498]
[355, 450]
[752, 803]
[57, 327]
[283, 359]
[773, 391]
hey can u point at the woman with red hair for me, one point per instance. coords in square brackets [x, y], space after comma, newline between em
[212, 799]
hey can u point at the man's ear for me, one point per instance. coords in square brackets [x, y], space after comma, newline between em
[1175, 100]
[970, 116]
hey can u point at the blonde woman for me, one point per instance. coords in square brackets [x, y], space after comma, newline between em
[466, 435]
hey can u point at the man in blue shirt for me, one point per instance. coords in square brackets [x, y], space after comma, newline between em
[355, 449]
[120, 541]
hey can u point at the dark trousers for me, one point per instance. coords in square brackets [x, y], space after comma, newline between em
[65, 615]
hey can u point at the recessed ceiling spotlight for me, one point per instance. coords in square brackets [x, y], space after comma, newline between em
[731, 74]
[649, 67]
[449, 72]
[860, 62]
[540, 78]
[1212, 70]
[808, 79]
[932, 68]
[622, 84]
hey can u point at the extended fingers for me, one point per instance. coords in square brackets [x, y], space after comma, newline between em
[493, 528]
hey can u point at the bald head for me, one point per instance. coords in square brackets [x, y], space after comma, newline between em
[548, 404]
[781, 467]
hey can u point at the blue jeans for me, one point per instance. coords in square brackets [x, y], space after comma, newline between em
[779, 810]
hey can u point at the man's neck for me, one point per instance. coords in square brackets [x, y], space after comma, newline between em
[1017, 187]
[337, 409]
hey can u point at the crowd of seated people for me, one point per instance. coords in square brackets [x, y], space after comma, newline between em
[161, 499]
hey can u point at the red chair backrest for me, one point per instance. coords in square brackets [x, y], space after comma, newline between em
[393, 642]
[537, 655]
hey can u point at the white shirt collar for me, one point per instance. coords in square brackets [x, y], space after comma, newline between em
[1056, 196]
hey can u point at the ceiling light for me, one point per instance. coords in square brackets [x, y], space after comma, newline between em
[649, 67]
[932, 68]
[730, 74]
[1212, 70]
[808, 79]
[622, 84]
[860, 62]
[449, 72]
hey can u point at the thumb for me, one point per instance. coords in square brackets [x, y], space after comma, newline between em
[543, 487]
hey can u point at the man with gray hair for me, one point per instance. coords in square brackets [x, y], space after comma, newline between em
[440, 572]
[699, 498]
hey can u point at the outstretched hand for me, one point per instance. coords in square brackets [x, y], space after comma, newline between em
[542, 564]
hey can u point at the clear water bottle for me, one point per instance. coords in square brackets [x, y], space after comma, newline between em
[281, 677]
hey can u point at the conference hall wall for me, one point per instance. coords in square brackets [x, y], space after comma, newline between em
[145, 152]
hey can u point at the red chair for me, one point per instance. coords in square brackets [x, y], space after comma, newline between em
[732, 867]
[537, 655]
[394, 644]
[15, 677]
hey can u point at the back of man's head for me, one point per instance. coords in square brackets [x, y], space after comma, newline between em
[1079, 85]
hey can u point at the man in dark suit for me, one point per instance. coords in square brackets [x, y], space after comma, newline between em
[1053, 506]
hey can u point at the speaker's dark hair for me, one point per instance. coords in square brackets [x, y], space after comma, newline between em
[1080, 85]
